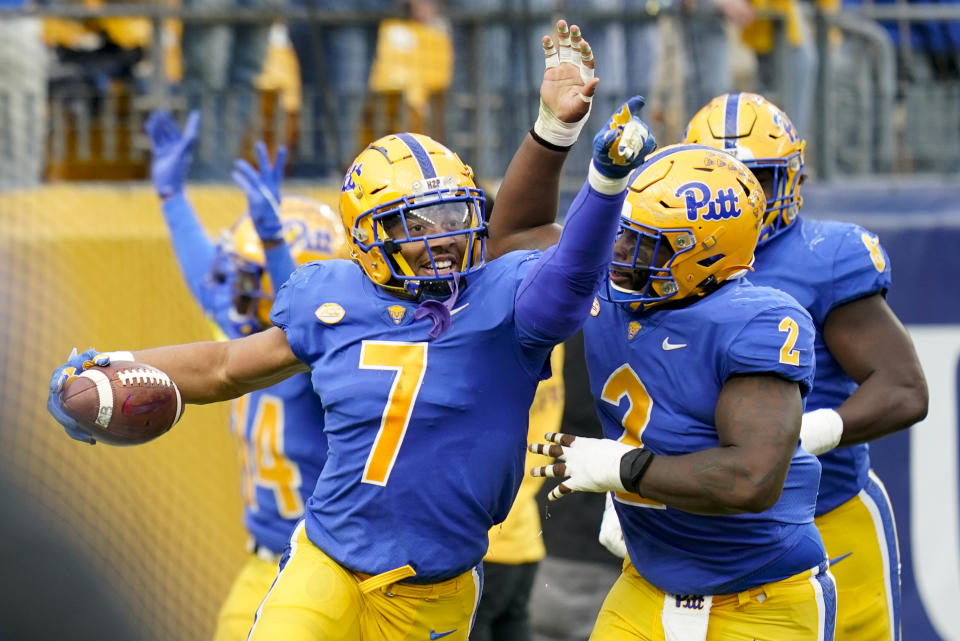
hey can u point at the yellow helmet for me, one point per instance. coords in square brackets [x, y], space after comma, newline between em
[402, 177]
[311, 230]
[690, 221]
[761, 135]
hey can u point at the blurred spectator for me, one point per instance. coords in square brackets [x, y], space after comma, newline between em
[411, 74]
[703, 26]
[220, 62]
[335, 63]
[795, 92]
[23, 97]
[497, 57]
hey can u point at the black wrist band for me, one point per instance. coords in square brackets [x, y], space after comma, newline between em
[548, 145]
[633, 465]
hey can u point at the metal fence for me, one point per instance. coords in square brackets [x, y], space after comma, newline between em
[89, 113]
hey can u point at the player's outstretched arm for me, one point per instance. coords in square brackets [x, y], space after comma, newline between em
[172, 152]
[874, 349]
[758, 423]
[222, 370]
[555, 296]
[529, 195]
[261, 186]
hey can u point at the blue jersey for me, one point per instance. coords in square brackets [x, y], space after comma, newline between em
[426, 436]
[825, 264]
[280, 429]
[282, 446]
[656, 377]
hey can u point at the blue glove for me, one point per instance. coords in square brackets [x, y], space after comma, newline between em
[263, 191]
[624, 143]
[172, 151]
[63, 375]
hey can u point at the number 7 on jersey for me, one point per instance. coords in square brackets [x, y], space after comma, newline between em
[409, 361]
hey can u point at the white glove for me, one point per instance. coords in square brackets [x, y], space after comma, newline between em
[589, 464]
[820, 431]
[611, 534]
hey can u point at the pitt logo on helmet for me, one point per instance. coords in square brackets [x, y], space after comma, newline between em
[699, 195]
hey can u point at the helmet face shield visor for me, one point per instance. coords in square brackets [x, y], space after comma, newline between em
[429, 236]
[640, 269]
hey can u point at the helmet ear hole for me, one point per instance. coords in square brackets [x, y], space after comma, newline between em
[709, 260]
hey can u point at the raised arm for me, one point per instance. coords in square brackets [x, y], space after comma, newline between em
[528, 198]
[555, 296]
[262, 188]
[171, 156]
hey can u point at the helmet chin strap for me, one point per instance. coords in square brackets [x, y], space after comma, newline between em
[439, 311]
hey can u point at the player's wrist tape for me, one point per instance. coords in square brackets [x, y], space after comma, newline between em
[118, 356]
[549, 145]
[820, 430]
[551, 129]
[605, 184]
[633, 465]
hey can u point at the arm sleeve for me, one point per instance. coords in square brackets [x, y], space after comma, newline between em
[290, 314]
[280, 264]
[555, 295]
[778, 340]
[860, 267]
[195, 252]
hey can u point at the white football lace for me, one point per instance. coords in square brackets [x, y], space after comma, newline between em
[141, 376]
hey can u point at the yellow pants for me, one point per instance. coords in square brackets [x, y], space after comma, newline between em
[316, 599]
[861, 541]
[798, 608]
[246, 593]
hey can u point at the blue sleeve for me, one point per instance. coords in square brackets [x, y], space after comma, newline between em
[778, 340]
[280, 263]
[556, 293]
[294, 319]
[195, 252]
[860, 267]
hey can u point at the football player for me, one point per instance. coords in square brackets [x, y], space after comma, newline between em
[279, 428]
[426, 358]
[869, 381]
[698, 378]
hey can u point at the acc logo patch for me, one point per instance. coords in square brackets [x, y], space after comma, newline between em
[595, 308]
[330, 313]
[699, 197]
[633, 329]
[396, 313]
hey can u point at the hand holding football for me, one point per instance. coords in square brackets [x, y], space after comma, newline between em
[124, 403]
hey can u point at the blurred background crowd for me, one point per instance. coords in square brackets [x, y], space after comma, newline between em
[873, 86]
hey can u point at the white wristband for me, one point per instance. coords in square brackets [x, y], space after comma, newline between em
[604, 184]
[555, 131]
[820, 431]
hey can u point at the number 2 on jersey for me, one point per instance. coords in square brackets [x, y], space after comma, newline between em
[409, 361]
[625, 382]
[788, 355]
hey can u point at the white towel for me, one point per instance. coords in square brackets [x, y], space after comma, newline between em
[685, 616]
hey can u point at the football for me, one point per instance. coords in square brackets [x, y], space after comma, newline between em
[124, 403]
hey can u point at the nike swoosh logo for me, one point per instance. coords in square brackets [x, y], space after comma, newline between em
[667, 345]
[440, 635]
[129, 409]
[452, 312]
[832, 562]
